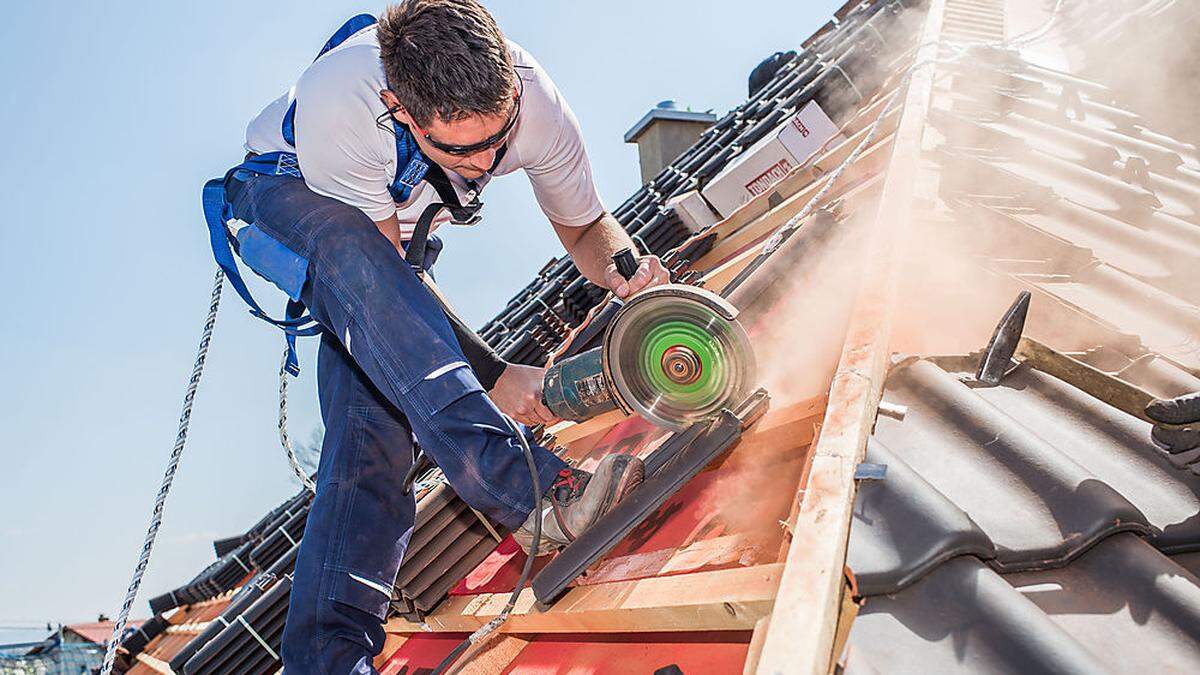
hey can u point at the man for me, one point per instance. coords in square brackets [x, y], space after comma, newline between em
[394, 125]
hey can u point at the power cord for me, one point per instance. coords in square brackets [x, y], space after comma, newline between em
[490, 627]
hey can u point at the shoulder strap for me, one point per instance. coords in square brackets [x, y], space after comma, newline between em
[352, 26]
[414, 253]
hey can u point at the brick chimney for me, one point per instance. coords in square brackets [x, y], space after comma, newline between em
[664, 133]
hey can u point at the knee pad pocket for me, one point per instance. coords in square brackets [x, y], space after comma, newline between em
[360, 592]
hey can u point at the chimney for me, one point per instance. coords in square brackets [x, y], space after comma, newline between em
[664, 133]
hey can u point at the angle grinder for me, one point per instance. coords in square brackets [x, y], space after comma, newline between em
[674, 355]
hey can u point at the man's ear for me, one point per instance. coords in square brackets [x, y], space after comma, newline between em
[390, 100]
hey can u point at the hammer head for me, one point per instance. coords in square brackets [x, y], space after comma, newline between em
[998, 356]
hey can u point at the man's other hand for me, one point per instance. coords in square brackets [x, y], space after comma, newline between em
[650, 273]
[518, 394]
[1182, 444]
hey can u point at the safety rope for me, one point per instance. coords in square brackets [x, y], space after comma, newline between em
[168, 477]
[284, 439]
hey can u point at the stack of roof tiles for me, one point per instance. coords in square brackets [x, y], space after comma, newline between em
[448, 541]
[252, 562]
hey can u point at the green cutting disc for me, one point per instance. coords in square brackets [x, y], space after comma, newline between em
[686, 338]
[674, 357]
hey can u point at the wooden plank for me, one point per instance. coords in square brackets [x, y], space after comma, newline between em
[767, 219]
[732, 599]
[803, 182]
[568, 432]
[724, 550]
[493, 657]
[391, 642]
[756, 642]
[803, 625]
[726, 269]
[178, 615]
[847, 613]
[157, 665]
[190, 628]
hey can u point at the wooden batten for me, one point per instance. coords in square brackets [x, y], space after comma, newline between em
[157, 665]
[730, 599]
[493, 656]
[569, 432]
[803, 623]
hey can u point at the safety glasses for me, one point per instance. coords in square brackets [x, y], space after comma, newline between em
[487, 143]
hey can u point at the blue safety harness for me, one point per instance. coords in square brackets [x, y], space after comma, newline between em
[412, 168]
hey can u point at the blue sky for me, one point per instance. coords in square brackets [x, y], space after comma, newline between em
[115, 113]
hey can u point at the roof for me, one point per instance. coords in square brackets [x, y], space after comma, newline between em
[1027, 527]
[97, 631]
[1023, 527]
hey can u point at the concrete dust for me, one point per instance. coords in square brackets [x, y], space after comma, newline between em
[798, 340]
[986, 235]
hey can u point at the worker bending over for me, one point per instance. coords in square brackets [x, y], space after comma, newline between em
[393, 130]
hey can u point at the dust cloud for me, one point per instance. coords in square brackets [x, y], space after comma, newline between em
[1017, 205]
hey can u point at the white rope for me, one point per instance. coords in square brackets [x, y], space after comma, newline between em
[283, 432]
[168, 476]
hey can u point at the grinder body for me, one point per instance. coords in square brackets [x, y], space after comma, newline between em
[575, 388]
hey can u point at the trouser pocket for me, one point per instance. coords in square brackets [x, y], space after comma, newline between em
[374, 519]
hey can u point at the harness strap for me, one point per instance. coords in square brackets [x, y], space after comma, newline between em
[216, 214]
[352, 26]
[412, 168]
[414, 253]
[460, 214]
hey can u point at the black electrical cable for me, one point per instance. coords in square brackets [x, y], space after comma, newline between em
[537, 540]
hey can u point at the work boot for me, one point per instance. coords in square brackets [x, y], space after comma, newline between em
[577, 499]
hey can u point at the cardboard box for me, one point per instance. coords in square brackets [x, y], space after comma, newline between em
[783, 150]
[693, 211]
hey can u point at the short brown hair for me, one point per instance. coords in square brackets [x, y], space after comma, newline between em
[445, 58]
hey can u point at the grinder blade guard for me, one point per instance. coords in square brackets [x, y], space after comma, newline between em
[673, 355]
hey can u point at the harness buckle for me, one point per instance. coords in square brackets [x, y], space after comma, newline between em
[466, 215]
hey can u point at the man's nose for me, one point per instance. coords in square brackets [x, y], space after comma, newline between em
[482, 161]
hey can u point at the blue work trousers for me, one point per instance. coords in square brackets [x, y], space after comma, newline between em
[389, 369]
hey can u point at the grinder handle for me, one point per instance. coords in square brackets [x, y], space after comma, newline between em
[627, 264]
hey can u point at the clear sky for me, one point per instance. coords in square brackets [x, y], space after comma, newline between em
[114, 114]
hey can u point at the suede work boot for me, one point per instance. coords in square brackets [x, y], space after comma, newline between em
[577, 499]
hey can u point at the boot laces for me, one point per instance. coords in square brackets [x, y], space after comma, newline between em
[568, 486]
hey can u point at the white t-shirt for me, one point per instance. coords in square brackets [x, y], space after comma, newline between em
[344, 154]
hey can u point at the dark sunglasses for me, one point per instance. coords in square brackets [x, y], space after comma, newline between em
[487, 143]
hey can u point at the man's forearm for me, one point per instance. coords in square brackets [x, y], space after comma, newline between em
[390, 228]
[593, 249]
